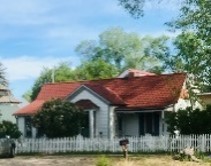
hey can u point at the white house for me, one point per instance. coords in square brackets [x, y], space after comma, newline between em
[131, 105]
[8, 105]
[205, 98]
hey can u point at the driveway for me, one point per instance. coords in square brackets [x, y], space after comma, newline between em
[48, 160]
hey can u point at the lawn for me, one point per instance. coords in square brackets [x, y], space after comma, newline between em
[92, 160]
[156, 160]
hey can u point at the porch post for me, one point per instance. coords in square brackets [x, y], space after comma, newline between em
[111, 122]
[162, 122]
[91, 123]
[34, 132]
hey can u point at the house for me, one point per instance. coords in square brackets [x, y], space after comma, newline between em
[8, 105]
[205, 98]
[131, 105]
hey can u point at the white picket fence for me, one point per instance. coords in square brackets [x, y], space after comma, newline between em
[136, 144]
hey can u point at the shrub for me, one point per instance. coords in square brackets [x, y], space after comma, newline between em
[190, 121]
[58, 118]
[10, 129]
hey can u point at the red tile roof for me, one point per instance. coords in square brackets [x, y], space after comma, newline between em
[106, 93]
[147, 92]
[30, 109]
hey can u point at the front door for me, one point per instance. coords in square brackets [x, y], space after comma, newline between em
[85, 125]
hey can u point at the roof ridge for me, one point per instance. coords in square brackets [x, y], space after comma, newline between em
[110, 90]
[105, 89]
[115, 78]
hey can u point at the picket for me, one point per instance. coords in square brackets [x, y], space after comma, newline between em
[146, 143]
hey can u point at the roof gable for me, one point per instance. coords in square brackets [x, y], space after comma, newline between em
[101, 92]
[86, 104]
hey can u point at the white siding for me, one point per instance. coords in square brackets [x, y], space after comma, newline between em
[181, 104]
[21, 125]
[7, 110]
[130, 125]
[102, 114]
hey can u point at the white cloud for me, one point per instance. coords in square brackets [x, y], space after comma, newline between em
[39, 12]
[25, 12]
[25, 67]
[75, 33]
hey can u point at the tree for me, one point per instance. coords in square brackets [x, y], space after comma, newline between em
[97, 69]
[27, 95]
[62, 72]
[3, 80]
[192, 53]
[123, 50]
[58, 118]
[190, 121]
[10, 129]
[88, 70]
[193, 44]
[136, 7]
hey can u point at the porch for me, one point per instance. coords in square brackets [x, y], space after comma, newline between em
[128, 123]
[140, 123]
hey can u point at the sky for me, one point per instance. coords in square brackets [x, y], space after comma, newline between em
[42, 33]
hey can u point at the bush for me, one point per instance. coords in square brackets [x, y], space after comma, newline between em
[58, 118]
[10, 129]
[190, 121]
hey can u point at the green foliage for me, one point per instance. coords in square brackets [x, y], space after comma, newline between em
[124, 50]
[97, 69]
[134, 7]
[27, 95]
[62, 72]
[193, 44]
[3, 80]
[10, 129]
[190, 121]
[103, 161]
[58, 118]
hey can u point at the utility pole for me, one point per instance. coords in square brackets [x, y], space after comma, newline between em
[53, 76]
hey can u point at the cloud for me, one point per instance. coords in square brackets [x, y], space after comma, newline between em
[25, 67]
[75, 33]
[26, 12]
[39, 12]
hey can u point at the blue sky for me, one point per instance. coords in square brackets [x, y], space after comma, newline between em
[41, 33]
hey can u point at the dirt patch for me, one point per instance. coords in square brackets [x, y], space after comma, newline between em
[48, 160]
